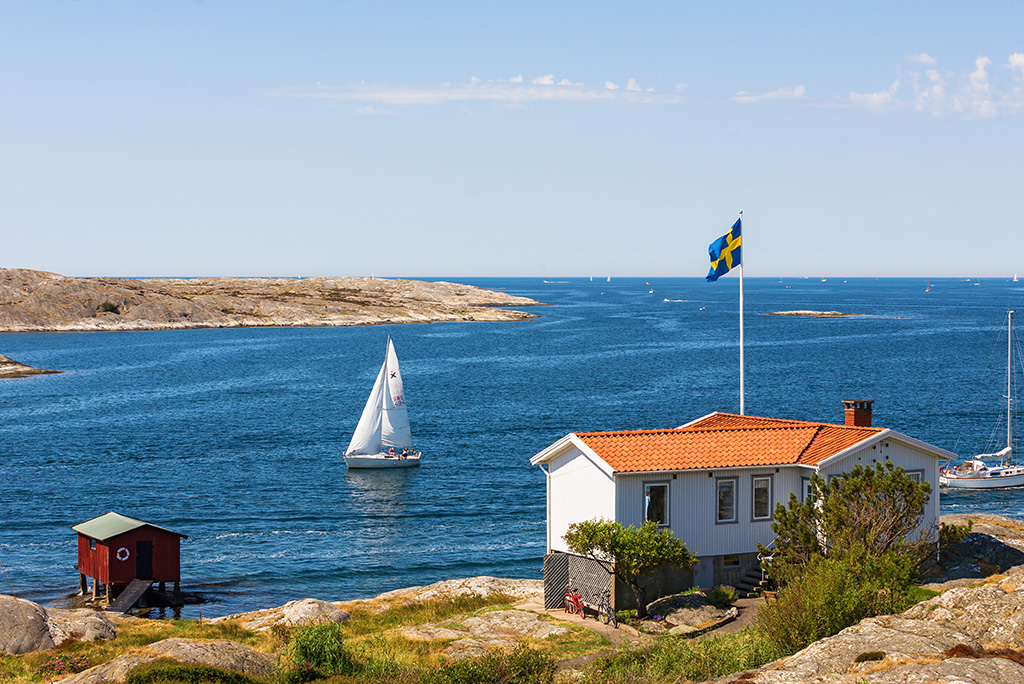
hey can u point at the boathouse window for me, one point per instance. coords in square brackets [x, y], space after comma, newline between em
[92, 545]
[762, 498]
[726, 500]
[656, 502]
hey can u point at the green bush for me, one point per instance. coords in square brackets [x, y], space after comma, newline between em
[522, 666]
[951, 535]
[722, 596]
[60, 665]
[323, 648]
[684, 660]
[299, 675]
[109, 307]
[168, 673]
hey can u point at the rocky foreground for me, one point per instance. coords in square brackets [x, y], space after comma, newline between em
[972, 633]
[36, 301]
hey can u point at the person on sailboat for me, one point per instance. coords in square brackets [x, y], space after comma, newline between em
[405, 452]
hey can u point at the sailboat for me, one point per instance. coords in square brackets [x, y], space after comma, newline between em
[976, 473]
[383, 438]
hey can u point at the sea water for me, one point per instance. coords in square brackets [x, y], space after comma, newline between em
[234, 437]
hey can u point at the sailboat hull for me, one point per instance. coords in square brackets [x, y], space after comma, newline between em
[378, 461]
[1004, 477]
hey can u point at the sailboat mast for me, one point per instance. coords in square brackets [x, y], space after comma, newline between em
[1009, 381]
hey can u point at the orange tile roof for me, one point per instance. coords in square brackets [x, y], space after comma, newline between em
[725, 440]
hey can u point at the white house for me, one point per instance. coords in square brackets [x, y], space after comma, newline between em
[715, 482]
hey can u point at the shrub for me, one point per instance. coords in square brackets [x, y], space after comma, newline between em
[109, 307]
[722, 596]
[322, 647]
[59, 665]
[683, 660]
[522, 666]
[951, 535]
[299, 674]
[167, 673]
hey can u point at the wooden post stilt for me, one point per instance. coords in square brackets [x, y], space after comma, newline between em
[83, 584]
[163, 587]
[94, 583]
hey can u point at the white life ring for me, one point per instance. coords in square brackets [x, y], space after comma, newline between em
[123, 553]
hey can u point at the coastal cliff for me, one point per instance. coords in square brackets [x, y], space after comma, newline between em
[37, 301]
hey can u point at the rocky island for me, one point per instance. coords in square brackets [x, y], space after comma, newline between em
[37, 301]
[9, 368]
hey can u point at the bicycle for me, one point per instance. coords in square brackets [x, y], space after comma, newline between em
[573, 602]
[605, 610]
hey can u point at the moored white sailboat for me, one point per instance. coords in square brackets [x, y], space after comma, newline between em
[976, 473]
[383, 438]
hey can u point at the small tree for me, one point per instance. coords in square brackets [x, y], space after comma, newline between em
[629, 553]
[876, 511]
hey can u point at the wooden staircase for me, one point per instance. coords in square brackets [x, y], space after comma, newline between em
[130, 596]
[752, 584]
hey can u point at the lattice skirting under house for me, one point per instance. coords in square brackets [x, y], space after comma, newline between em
[586, 576]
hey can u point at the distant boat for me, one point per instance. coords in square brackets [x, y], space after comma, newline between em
[591, 278]
[824, 280]
[975, 473]
[928, 285]
[1014, 277]
[609, 279]
[383, 438]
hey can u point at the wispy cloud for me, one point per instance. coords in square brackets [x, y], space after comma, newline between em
[986, 92]
[881, 99]
[513, 92]
[796, 93]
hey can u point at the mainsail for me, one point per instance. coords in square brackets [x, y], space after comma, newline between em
[385, 419]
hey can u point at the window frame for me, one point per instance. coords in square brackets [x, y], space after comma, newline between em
[92, 546]
[753, 498]
[719, 481]
[917, 472]
[657, 483]
[805, 488]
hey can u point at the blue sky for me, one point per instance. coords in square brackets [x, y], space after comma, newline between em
[426, 139]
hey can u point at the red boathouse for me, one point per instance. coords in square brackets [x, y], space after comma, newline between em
[114, 549]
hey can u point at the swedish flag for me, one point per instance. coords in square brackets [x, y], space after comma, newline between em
[725, 252]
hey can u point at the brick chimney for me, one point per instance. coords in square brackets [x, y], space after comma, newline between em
[857, 412]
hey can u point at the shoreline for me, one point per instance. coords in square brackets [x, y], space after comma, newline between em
[37, 301]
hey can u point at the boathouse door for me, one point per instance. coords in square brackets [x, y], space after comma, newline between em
[144, 560]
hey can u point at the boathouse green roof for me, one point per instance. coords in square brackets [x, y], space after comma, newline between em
[112, 524]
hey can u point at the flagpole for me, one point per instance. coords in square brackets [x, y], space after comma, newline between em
[742, 259]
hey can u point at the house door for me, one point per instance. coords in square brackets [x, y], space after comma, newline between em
[144, 560]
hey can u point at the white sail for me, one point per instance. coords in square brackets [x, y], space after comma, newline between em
[367, 437]
[394, 429]
[385, 419]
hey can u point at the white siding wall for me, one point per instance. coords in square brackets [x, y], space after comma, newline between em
[693, 505]
[578, 489]
[904, 455]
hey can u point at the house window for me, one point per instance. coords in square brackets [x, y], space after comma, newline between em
[656, 502]
[762, 498]
[915, 475]
[727, 500]
[732, 561]
[806, 488]
[92, 545]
